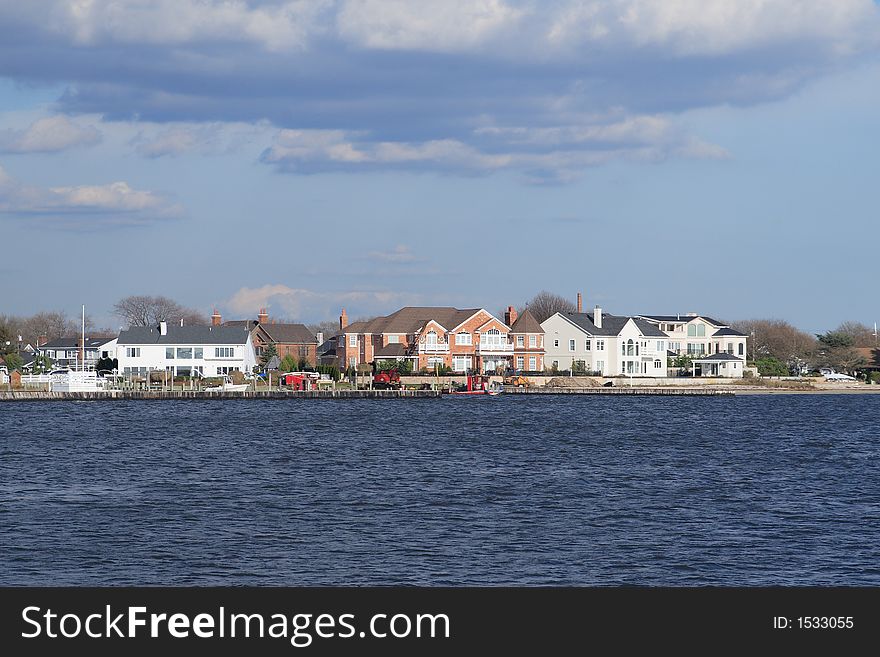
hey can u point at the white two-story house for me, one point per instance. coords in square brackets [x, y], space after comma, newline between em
[68, 352]
[186, 350]
[602, 344]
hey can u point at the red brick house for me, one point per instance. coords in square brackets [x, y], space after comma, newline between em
[289, 339]
[465, 340]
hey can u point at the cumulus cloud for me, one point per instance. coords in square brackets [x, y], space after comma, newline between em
[84, 206]
[49, 135]
[273, 25]
[457, 86]
[432, 25]
[309, 305]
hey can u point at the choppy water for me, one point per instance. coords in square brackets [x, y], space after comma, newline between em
[507, 490]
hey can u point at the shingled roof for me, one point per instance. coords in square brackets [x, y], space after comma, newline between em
[185, 335]
[526, 323]
[412, 319]
[612, 324]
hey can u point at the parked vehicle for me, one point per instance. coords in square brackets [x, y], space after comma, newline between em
[386, 379]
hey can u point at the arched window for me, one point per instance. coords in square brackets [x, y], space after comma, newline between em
[629, 347]
[658, 364]
[431, 338]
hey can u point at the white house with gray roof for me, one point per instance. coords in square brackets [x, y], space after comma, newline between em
[186, 350]
[699, 337]
[604, 344]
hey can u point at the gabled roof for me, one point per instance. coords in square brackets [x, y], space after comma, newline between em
[289, 333]
[73, 343]
[526, 323]
[186, 335]
[728, 331]
[412, 319]
[612, 324]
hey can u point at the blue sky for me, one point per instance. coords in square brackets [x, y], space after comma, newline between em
[661, 157]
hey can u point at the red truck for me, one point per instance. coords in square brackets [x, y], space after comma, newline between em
[386, 379]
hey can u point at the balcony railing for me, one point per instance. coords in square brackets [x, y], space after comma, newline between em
[489, 348]
[434, 347]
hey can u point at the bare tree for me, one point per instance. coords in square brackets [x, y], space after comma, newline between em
[778, 339]
[140, 310]
[862, 336]
[544, 304]
[329, 328]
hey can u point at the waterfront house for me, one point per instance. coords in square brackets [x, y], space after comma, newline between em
[289, 339]
[70, 351]
[698, 336]
[462, 339]
[603, 344]
[527, 337]
[186, 350]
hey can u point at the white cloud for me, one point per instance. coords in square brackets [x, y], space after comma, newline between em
[428, 25]
[49, 135]
[714, 27]
[558, 152]
[307, 305]
[276, 26]
[90, 205]
[156, 140]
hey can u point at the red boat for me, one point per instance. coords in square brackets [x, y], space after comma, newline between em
[477, 384]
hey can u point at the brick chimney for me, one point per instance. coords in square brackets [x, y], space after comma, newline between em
[343, 320]
[216, 318]
[580, 303]
[510, 316]
[263, 317]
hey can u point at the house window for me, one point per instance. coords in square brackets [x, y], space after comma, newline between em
[533, 340]
[352, 362]
[184, 353]
[393, 339]
[224, 352]
[692, 331]
[659, 345]
[587, 345]
[520, 341]
[600, 346]
[701, 330]
[431, 340]
[491, 338]
[644, 368]
[463, 338]
[741, 348]
[461, 363]
[352, 340]
[435, 361]
[556, 343]
[556, 364]
[133, 352]
[169, 353]
[520, 362]
[198, 353]
[571, 345]
[533, 364]
[658, 364]
[600, 366]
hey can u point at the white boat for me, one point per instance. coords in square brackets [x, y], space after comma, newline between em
[229, 386]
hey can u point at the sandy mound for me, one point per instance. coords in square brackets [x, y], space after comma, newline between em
[572, 382]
